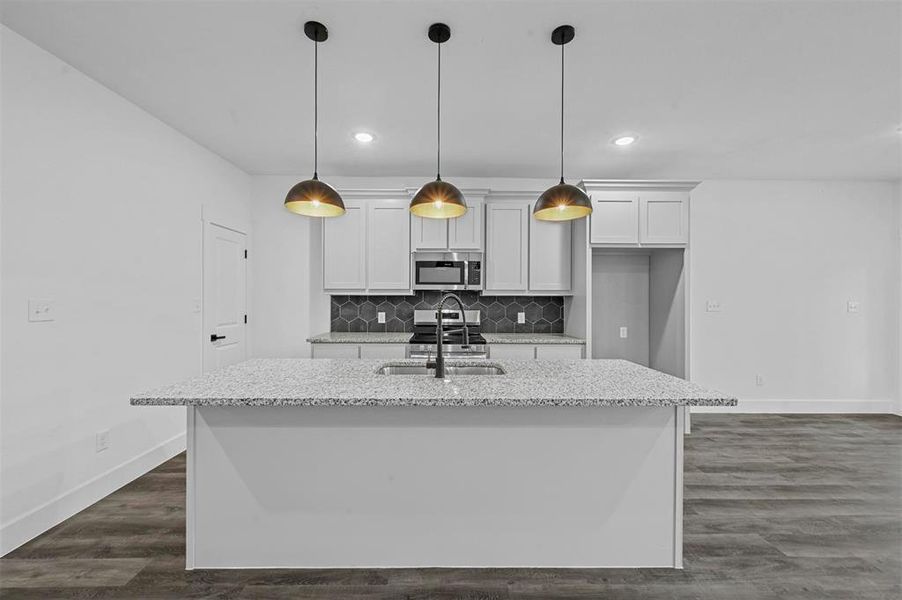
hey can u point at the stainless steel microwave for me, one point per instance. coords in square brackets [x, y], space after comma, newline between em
[447, 270]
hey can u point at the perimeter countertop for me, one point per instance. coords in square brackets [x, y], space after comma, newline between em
[342, 337]
[526, 383]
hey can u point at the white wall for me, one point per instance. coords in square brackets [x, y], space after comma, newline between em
[280, 273]
[899, 275]
[783, 258]
[101, 212]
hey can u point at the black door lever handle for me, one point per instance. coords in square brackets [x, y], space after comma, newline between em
[215, 337]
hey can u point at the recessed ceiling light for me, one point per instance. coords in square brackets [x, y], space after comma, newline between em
[363, 137]
[625, 140]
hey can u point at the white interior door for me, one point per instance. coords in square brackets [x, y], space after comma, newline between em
[225, 297]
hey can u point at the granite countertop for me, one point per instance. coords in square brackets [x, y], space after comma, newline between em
[531, 338]
[526, 383]
[342, 337]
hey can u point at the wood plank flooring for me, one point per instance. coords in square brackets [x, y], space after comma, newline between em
[777, 507]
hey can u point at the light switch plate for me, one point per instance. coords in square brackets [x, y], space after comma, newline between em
[521, 317]
[624, 333]
[759, 380]
[380, 317]
[41, 309]
[712, 306]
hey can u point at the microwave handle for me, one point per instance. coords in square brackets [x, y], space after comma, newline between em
[466, 281]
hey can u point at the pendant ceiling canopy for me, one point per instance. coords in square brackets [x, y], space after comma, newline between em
[314, 198]
[562, 202]
[438, 199]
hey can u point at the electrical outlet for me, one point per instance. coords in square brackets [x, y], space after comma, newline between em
[196, 305]
[853, 306]
[712, 306]
[624, 333]
[521, 317]
[102, 440]
[380, 317]
[759, 380]
[41, 310]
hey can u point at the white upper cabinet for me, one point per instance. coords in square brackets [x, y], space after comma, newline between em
[506, 246]
[615, 218]
[344, 249]
[465, 232]
[664, 217]
[388, 249]
[428, 234]
[462, 233]
[639, 213]
[549, 255]
[367, 249]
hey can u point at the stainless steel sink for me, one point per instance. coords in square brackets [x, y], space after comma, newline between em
[450, 370]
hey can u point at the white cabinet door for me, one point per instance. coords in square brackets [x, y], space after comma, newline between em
[336, 350]
[664, 217]
[383, 350]
[344, 249]
[512, 351]
[388, 245]
[506, 246]
[559, 352]
[615, 218]
[465, 232]
[428, 234]
[549, 255]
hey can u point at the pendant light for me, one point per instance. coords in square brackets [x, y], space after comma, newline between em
[314, 198]
[562, 202]
[438, 199]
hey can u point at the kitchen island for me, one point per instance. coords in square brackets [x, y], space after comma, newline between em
[329, 463]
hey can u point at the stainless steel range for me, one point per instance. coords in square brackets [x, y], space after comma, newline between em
[423, 343]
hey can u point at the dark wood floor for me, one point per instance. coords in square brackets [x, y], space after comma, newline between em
[806, 507]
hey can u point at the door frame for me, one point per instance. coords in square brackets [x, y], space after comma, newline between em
[209, 216]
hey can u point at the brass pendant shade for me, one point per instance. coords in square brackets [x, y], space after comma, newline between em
[562, 202]
[314, 198]
[438, 199]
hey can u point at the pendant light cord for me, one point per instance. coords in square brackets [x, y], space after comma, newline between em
[438, 119]
[315, 108]
[562, 113]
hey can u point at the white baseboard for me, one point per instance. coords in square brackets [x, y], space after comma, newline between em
[57, 510]
[788, 406]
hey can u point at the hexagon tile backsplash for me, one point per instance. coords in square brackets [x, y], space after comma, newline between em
[544, 314]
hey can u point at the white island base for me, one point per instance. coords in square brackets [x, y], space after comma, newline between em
[299, 487]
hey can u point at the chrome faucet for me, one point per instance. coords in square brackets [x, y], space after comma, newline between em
[439, 363]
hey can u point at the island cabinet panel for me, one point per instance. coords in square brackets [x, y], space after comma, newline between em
[378, 486]
[562, 352]
[388, 231]
[344, 249]
[549, 256]
[512, 351]
[507, 244]
[383, 350]
[615, 218]
[336, 351]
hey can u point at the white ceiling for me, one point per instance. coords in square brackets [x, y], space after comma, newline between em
[714, 89]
